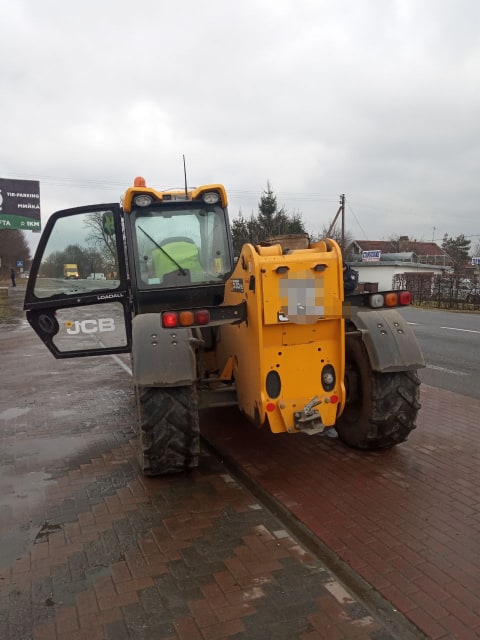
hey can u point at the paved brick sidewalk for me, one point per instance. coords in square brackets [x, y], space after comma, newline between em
[406, 520]
[91, 550]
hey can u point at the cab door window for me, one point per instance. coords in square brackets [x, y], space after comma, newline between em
[78, 258]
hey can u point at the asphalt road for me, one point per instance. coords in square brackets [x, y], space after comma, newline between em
[450, 342]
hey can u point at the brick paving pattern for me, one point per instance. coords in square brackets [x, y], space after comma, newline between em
[406, 520]
[91, 550]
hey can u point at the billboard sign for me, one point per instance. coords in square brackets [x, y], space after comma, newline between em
[476, 261]
[20, 204]
[371, 256]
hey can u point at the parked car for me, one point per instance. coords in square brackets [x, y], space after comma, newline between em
[461, 290]
[473, 297]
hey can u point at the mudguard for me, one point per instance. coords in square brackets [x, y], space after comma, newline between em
[390, 342]
[161, 357]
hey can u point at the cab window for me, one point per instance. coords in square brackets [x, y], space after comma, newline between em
[181, 246]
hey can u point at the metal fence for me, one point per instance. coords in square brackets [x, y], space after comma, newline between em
[447, 291]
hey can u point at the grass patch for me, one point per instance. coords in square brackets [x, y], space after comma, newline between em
[11, 303]
[6, 311]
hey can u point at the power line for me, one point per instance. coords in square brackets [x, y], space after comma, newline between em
[299, 196]
[356, 220]
[88, 182]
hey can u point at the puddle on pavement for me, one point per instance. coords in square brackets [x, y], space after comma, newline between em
[22, 492]
[15, 542]
[62, 413]
[26, 487]
[30, 464]
[44, 451]
[16, 412]
[10, 323]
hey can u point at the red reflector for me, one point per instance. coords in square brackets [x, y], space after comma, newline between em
[334, 399]
[405, 297]
[169, 319]
[270, 406]
[202, 316]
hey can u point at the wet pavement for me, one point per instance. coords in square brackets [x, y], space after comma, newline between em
[91, 549]
[407, 521]
[294, 537]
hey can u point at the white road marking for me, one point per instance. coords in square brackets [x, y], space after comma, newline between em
[455, 373]
[456, 329]
[122, 364]
[114, 357]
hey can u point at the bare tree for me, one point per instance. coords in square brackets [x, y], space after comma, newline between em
[104, 241]
[13, 247]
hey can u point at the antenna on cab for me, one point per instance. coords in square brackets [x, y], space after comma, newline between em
[185, 175]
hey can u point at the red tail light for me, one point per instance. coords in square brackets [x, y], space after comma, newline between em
[170, 319]
[405, 297]
[185, 318]
[202, 316]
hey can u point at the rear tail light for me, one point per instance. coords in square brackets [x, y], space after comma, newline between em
[185, 318]
[391, 299]
[170, 319]
[202, 316]
[376, 300]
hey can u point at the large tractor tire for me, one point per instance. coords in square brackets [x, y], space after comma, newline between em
[381, 408]
[169, 432]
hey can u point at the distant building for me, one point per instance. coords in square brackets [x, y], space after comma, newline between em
[382, 262]
[425, 252]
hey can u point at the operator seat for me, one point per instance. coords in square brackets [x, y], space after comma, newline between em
[183, 251]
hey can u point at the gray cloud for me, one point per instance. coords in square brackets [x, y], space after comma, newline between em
[377, 100]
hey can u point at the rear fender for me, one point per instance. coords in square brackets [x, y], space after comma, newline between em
[161, 357]
[390, 342]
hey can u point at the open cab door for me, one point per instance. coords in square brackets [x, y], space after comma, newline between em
[78, 298]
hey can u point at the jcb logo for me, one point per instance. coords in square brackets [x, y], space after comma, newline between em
[90, 326]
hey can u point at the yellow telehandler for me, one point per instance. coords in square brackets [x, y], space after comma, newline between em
[271, 330]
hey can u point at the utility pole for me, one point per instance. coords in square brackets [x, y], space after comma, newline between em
[342, 207]
[341, 210]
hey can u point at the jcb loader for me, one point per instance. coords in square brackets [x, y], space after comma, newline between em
[271, 330]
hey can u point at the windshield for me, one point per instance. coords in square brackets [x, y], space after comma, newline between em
[181, 246]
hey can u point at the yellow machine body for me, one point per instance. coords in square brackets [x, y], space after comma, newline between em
[294, 329]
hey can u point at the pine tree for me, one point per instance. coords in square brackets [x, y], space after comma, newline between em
[270, 221]
[458, 249]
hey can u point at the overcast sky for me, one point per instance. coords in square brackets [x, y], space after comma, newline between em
[377, 99]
